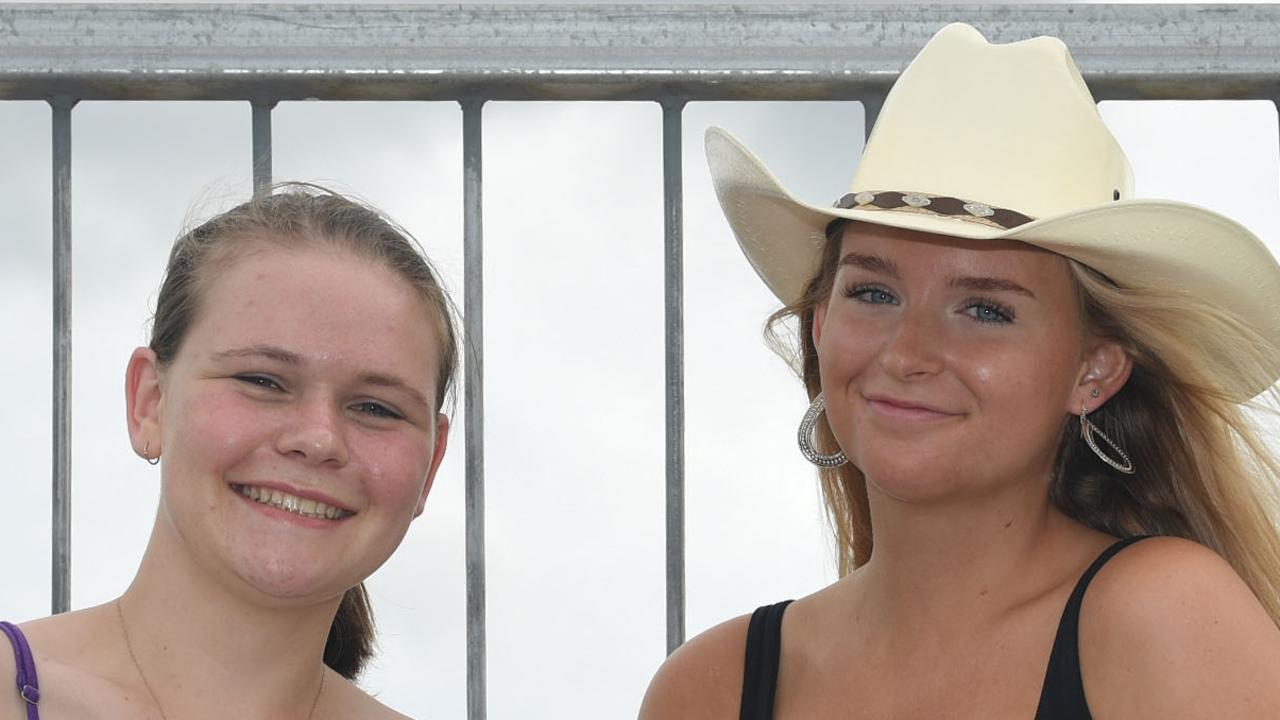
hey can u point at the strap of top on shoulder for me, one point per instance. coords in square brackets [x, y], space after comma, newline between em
[1062, 697]
[760, 671]
[28, 686]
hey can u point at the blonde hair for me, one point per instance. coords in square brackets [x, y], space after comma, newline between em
[1204, 471]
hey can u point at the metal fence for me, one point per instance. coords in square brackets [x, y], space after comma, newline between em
[668, 54]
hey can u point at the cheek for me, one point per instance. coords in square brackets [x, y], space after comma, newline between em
[216, 428]
[396, 470]
[1022, 389]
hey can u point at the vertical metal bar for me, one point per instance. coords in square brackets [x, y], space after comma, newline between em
[261, 144]
[673, 204]
[473, 341]
[61, 498]
[871, 104]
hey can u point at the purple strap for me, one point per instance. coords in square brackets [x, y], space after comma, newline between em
[28, 686]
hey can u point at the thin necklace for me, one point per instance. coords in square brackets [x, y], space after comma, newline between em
[155, 700]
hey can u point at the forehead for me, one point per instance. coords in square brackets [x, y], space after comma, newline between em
[323, 303]
[926, 255]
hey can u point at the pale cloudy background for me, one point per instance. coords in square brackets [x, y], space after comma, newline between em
[573, 356]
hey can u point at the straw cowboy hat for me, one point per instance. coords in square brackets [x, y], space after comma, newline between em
[1003, 142]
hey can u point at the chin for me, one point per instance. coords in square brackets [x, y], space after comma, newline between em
[288, 576]
[912, 482]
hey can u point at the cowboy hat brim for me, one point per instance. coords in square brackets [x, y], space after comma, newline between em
[1160, 244]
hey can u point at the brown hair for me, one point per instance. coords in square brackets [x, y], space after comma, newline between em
[1203, 471]
[297, 215]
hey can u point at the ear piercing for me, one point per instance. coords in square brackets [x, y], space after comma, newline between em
[146, 455]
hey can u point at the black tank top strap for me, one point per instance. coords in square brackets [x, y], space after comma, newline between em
[1062, 697]
[28, 686]
[760, 669]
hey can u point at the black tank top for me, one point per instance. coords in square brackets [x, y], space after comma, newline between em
[1062, 697]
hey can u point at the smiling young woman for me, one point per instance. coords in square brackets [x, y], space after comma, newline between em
[301, 354]
[1019, 374]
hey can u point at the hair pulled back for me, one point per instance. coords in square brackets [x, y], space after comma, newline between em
[300, 215]
[1203, 470]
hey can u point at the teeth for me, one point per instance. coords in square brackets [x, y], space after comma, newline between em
[291, 503]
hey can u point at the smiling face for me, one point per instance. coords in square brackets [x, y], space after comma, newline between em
[949, 365]
[297, 422]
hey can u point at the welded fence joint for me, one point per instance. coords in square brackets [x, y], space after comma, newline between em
[602, 52]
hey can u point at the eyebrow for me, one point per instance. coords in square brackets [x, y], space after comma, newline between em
[989, 284]
[279, 354]
[872, 263]
[395, 383]
[885, 266]
[270, 352]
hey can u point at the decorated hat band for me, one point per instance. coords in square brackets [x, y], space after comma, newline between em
[975, 212]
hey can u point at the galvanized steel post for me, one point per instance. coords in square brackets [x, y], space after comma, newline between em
[60, 598]
[262, 144]
[673, 208]
[473, 342]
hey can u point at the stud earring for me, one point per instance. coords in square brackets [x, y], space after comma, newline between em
[805, 437]
[1095, 392]
[146, 455]
[1088, 430]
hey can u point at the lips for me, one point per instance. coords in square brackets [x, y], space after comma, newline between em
[905, 409]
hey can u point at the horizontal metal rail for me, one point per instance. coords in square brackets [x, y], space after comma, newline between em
[602, 52]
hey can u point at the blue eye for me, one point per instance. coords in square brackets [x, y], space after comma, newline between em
[261, 381]
[987, 311]
[377, 410]
[871, 294]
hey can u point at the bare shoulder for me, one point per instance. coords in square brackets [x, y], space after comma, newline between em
[1172, 618]
[702, 679]
[350, 701]
[58, 645]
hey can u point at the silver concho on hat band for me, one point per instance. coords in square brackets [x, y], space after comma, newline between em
[977, 209]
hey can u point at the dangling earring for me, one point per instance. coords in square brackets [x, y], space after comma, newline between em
[1088, 430]
[146, 455]
[805, 437]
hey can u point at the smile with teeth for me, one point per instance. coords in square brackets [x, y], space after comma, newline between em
[292, 503]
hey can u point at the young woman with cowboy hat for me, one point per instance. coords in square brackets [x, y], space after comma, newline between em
[1030, 410]
[301, 353]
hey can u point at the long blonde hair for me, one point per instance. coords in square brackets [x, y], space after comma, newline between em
[1204, 471]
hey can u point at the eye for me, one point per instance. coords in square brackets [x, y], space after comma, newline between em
[261, 381]
[871, 294]
[988, 311]
[377, 409]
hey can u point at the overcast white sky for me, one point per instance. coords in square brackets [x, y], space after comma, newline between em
[573, 359]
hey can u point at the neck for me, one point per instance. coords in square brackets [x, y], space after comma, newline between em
[944, 567]
[209, 650]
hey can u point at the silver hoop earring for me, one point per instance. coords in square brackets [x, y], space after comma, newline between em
[146, 455]
[1088, 430]
[805, 437]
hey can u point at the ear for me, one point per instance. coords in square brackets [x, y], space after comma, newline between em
[142, 395]
[442, 441]
[1106, 368]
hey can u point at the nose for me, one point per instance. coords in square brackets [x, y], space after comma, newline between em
[314, 433]
[913, 350]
